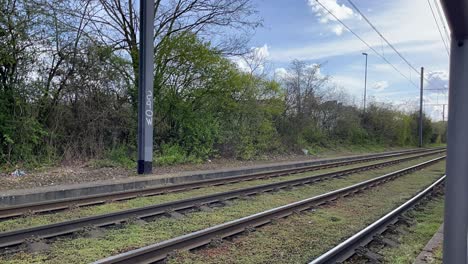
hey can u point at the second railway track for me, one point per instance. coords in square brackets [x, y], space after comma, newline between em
[356, 244]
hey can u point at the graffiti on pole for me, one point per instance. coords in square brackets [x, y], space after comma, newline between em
[149, 108]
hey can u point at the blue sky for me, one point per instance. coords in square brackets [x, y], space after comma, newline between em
[300, 29]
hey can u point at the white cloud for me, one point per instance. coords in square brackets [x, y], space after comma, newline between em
[341, 11]
[261, 52]
[354, 86]
[315, 66]
[380, 85]
[321, 50]
[435, 99]
[418, 36]
[382, 67]
[433, 105]
[437, 80]
[280, 73]
[254, 60]
[338, 30]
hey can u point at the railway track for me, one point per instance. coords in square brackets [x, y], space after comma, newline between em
[63, 204]
[160, 251]
[356, 244]
[16, 237]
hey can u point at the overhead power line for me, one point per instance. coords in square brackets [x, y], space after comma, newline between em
[442, 19]
[438, 27]
[367, 44]
[382, 36]
[386, 40]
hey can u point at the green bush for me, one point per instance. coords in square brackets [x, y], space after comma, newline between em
[246, 149]
[174, 154]
[314, 136]
[121, 156]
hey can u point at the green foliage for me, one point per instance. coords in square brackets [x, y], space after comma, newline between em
[120, 156]
[314, 136]
[21, 140]
[82, 104]
[174, 154]
[439, 133]
[406, 135]
[185, 106]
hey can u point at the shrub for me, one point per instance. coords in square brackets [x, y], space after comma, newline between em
[121, 156]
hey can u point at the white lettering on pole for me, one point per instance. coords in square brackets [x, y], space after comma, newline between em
[149, 108]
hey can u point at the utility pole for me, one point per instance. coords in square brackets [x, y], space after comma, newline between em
[443, 113]
[365, 82]
[145, 88]
[421, 109]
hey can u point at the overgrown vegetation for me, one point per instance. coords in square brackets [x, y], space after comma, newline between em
[68, 88]
[427, 221]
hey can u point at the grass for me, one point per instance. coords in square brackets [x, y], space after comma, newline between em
[336, 150]
[130, 236]
[301, 238]
[173, 155]
[36, 220]
[117, 157]
[438, 254]
[427, 222]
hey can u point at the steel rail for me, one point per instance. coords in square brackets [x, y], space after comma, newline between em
[63, 204]
[159, 251]
[16, 237]
[347, 248]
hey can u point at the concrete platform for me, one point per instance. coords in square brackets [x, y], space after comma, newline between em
[16, 197]
[427, 254]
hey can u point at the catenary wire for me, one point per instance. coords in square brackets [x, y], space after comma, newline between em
[438, 27]
[367, 44]
[386, 40]
[447, 34]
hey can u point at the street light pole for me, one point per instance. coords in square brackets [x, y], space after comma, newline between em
[365, 82]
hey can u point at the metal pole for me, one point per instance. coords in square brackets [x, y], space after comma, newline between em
[145, 88]
[421, 109]
[456, 194]
[443, 113]
[365, 82]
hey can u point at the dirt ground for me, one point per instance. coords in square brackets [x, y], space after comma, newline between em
[86, 173]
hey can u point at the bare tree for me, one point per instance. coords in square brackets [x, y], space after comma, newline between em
[116, 22]
[59, 46]
[304, 87]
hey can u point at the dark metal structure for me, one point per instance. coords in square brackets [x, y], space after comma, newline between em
[365, 82]
[421, 101]
[456, 194]
[145, 88]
